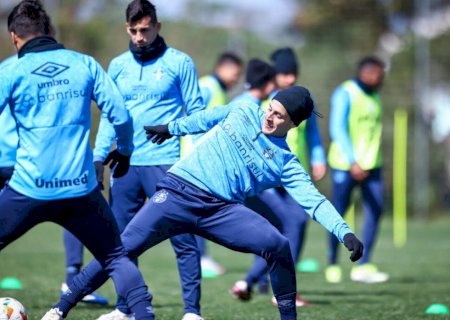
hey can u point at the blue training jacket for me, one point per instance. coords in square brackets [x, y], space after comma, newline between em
[235, 160]
[154, 93]
[8, 133]
[50, 95]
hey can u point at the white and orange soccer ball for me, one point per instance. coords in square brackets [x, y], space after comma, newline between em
[11, 309]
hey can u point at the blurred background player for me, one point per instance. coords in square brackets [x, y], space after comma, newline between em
[259, 82]
[276, 204]
[214, 88]
[156, 82]
[355, 159]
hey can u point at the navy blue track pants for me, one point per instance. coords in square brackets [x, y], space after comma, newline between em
[179, 207]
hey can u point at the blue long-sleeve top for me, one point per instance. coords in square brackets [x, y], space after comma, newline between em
[339, 115]
[154, 92]
[235, 160]
[8, 133]
[314, 142]
[49, 94]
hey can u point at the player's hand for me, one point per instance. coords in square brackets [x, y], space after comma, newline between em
[358, 173]
[99, 171]
[158, 134]
[352, 243]
[318, 171]
[119, 163]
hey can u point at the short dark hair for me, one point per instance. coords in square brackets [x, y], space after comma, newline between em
[29, 18]
[370, 60]
[138, 9]
[228, 57]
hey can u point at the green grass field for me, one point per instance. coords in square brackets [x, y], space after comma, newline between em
[420, 276]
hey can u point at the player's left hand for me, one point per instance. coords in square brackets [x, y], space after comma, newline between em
[158, 134]
[99, 172]
[352, 243]
[119, 163]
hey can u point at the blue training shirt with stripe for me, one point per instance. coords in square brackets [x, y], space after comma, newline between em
[235, 160]
[50, 95]
[8, 133]
[154, 93]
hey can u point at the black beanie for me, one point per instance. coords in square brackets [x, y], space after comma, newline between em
[285, 61]
[297, 101]
[258, 73]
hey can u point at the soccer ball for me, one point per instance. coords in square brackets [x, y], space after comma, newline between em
[11, 309]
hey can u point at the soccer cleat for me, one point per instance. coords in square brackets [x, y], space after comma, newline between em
[53, 314]
[192, 316]
[241, 290]
[210, 268]
[91, 298]
[299, 302]
[368, 273]
[333, 274]
[116, 315]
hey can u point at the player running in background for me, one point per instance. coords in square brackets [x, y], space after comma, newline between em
[156, 81]
[243, 152]
[49, 90]
[355, 159]
[214, 88]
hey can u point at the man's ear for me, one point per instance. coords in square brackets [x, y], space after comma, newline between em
[15, 40]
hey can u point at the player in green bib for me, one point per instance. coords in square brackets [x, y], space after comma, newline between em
[355, 159]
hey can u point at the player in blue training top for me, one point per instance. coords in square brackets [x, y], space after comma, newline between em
[156, 82]
[8, 147]
[276, 205]
[48, 90]
[243, 153]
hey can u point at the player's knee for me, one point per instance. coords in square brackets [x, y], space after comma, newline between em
[280, 245]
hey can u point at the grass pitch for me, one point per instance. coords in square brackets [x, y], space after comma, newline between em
[420, 276]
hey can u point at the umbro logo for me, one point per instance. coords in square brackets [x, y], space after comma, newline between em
[50, 70]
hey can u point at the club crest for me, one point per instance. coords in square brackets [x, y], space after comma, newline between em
[160, 196]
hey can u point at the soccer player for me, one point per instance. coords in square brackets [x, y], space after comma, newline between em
[49, 90]
[214, 88]
[8, 147]
[277, 205]
[259, 82]
[243, 153]
[355, 159]
[155, 81]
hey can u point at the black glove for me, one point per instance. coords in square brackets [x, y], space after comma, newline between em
[352, 243]
[158, 134]
[99, 171]
[119, 163]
